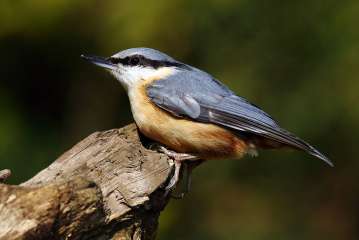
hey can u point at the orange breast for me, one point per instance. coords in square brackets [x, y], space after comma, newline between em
[205, 140]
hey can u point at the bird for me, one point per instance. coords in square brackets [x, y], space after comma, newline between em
[191, 114]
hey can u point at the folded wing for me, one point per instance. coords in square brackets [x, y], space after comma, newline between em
[190, 95]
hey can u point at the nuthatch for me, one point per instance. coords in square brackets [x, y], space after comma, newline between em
[192, 113]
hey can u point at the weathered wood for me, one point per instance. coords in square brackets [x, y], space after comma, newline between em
[108, 186]
[4, 174]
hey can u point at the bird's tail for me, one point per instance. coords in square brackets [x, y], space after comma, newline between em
[314, 152]
[299, 144]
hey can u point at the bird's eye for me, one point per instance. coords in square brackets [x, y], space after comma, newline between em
[134, 61]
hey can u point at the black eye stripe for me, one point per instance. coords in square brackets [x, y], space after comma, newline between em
[139, 60]
[114, 60]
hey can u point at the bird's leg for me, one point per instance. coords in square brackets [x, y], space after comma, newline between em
[178, 159]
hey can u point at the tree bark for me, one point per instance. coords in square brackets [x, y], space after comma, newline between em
[108, 186]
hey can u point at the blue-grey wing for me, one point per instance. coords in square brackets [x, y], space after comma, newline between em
[198, 96]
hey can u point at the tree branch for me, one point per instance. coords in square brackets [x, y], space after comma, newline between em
[108, 186]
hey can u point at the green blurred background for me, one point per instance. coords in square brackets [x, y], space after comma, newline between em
[298, 60]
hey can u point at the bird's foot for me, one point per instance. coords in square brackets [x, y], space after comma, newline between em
[178, 160]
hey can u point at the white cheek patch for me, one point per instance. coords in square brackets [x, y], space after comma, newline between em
[130, 76]
[135, 74]
[138, 73]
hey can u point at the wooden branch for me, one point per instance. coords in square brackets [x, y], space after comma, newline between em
[108, 186]
[4, 174]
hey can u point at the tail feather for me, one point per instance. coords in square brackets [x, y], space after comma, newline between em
[314, 152]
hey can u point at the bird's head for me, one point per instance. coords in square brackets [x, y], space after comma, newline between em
[131, 66]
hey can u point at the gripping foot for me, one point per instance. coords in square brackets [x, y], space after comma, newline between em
[179, 159]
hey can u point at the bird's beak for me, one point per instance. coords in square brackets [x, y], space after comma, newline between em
[100, 61]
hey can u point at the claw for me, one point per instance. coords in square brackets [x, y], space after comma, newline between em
[178, 159]
[175, 176]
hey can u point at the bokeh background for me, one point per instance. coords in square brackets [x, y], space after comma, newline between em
[298, 60]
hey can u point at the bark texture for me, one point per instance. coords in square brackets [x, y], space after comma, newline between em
[108, 186]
